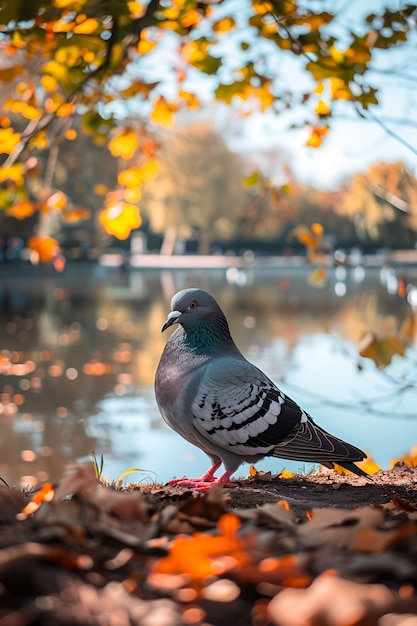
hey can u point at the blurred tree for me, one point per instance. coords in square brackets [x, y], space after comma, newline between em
[197, 190]
[110, 61]
[382, 204]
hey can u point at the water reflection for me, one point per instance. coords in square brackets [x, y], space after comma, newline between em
[79, 350]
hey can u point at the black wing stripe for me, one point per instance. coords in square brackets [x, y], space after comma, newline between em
[314, 444]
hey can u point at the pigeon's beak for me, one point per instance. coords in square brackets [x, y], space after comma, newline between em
[171, 319]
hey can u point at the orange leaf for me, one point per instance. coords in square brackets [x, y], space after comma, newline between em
[65, 110]
[201, 556]
[45, 494]
[75, 214]
[120, 219]
[124, 144]
[316, 138]
[224, 25]
[21, 210]
[8, 74]
[71, 134]
[368, 465]
[46, 248]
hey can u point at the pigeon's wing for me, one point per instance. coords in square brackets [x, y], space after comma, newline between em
[237, 407]
[315, 445]
[240, 409]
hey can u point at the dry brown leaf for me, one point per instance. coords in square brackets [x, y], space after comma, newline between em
[332, 601]
[339, 527]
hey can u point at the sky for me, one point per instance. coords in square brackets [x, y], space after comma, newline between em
[353, 144]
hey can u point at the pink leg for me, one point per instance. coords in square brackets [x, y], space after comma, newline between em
[206, 481]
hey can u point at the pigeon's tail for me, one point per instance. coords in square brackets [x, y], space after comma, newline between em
[313, 444]
[352, 467]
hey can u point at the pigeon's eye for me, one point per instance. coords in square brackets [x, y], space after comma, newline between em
[193, 305]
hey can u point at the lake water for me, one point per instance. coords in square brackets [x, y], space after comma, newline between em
[79, 351]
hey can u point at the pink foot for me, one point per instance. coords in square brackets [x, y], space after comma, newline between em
[204, 483]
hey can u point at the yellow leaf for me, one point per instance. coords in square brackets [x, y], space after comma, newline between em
[13, 172]
[129, 471]
[138, 87]
[368, 465]
[251, 179]
[163, 112]
[46, 248]
[145, 46]
[132, 177]
[191, 99]
[48, 82]
[60, 26]
[409, 459]
[339, 90]
[30, 112]
[136, 9]
[316, 138]
[52, 103]
[75, 5]
[124, 144]
[318, 276]
[40, 140]
[322, 108]
[379, 350]
[252, 470]
[21, 210]
[120, 219]
[132, 195]
[56, 69]
[286, 474]
[8, 140]
[86, 27]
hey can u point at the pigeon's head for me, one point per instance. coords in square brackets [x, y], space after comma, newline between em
[190, 306]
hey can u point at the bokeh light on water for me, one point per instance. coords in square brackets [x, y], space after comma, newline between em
[79, 350]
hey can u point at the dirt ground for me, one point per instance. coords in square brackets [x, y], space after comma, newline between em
[322, 489]
[316, 550]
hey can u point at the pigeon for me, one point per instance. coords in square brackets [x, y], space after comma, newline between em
[211, 395]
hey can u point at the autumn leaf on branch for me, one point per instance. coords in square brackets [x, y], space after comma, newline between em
[120, 219]
[380, 349]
